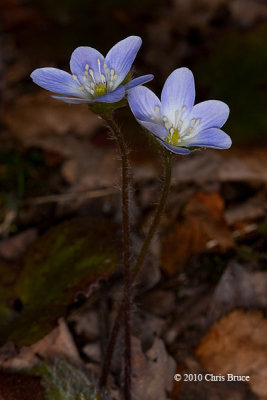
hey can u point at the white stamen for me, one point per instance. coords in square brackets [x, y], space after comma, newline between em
[74, 77]
[184, 108]
[92, 91]
[167, 125]
[91, 72]
[157, 109]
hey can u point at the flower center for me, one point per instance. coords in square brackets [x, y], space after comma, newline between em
[100, 90]
[98, 82]
[180, 128]
[173, 136]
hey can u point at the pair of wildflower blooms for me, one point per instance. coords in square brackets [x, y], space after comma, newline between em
[176, 123]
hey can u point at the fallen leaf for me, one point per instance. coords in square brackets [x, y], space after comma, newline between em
[237, 344]
[33, 117]
[200, 228]
[58, 343]
[13, 247]
[152, 371]
[239, 286]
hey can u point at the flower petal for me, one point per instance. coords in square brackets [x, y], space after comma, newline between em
[213, 137]
[156, 129]
[143, 103]
[212, 114]
[175, 149]
[85, 59]
[72, 100]
[178, 92]
[111, 97]
[138, 81]
[56, 81]
[121, 56]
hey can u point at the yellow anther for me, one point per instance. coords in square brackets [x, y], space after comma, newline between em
[197, 121]
[92, 91]
[115, 77]
[112, 72]
[164, 119]
[85, 72]
[157, 109]
[152, 118]
[91, 72]
[184, 108]
[172, 137]
[193, 121]
[84, 78]
[98, 61]
[74, 77]
[87, 67]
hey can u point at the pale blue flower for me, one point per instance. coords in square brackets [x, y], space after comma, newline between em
[175, 121]
[94, 78]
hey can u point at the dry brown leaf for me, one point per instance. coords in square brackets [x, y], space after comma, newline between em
[59, 342]
[239, 286]
[13, 247]
[152, 371]
[201, 227]
[35, 116]
[237, 344]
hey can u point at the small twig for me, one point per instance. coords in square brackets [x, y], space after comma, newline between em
[61, 198]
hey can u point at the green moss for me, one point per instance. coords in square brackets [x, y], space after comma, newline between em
[66, 259]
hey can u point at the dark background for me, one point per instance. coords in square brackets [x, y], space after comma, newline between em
[203, 289]
[222, 41]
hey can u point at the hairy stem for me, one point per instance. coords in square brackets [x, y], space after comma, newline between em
[139, 263]
[158, 213]
[127, 268]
